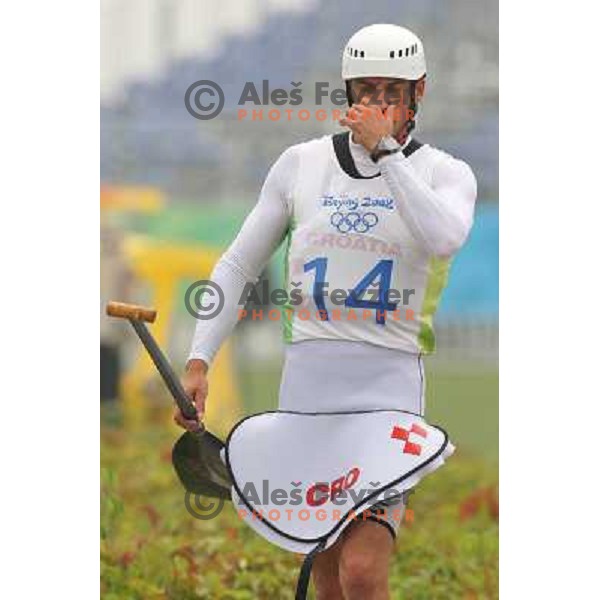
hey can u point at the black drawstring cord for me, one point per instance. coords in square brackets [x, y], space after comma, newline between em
[304, 577]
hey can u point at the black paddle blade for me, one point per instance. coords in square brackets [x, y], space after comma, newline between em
[199, 467]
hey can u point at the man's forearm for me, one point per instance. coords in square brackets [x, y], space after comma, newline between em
[211, 333]
[196, 364]
[439, 218]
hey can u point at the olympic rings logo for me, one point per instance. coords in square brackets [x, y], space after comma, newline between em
[353, 221]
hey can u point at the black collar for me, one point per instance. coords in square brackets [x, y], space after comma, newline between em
[341, 146]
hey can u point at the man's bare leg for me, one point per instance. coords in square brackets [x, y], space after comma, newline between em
[325, 573]
[364, 562]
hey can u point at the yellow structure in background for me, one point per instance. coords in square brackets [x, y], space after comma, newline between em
[163, 267]
[132, 198]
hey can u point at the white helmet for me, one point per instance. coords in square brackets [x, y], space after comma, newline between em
[384, 51]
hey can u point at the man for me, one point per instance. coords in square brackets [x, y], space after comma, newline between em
[372, 209]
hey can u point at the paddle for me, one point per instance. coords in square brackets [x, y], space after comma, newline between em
[195, 456]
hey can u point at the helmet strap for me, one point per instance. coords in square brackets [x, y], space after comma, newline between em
[348, 93]
[412, 106]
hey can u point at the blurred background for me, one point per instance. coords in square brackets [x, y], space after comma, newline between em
[174, 191]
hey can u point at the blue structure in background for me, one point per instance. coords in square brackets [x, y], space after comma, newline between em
[149, 138]
[472, 290]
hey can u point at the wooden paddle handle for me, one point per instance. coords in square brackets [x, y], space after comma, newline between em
[131, 311]
[136, 316]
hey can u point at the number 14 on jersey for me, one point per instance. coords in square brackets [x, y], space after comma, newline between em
[382, 271]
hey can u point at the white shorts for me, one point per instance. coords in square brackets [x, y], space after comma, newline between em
[332, 375]
[388, 513]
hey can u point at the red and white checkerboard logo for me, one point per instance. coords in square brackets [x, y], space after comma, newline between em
[399, 433]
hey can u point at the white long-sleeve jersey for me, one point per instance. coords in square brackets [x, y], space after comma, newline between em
[384, 233]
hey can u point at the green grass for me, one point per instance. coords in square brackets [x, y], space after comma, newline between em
[152, 548]
[465, 403]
